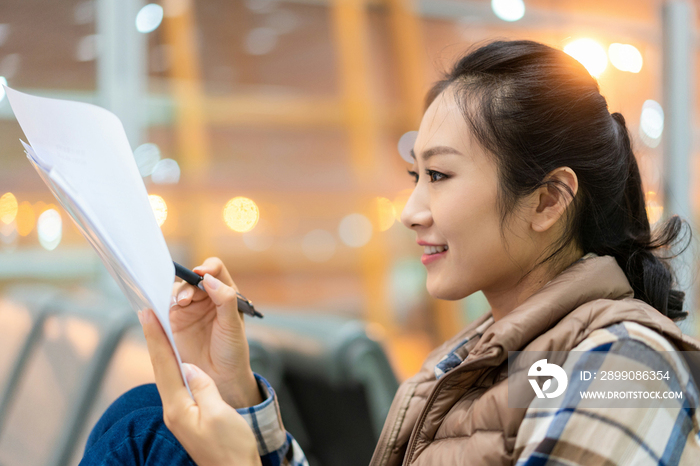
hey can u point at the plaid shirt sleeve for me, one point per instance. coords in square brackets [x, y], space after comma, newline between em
[572, 435]
[277, 447]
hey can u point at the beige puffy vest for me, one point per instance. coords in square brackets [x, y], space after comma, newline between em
[464, 417]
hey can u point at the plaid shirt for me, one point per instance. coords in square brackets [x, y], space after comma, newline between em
[663, 435]
[276, 446]
[570, 435]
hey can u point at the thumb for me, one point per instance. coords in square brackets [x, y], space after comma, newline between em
[203, 388]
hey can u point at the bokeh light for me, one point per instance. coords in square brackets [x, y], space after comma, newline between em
[318, 245]
[590, 54]
[8, 208]
[167, 171]
[147, 157]
[25, 218]
[355, 230]
[241, 214]
[149, 18]
[625, 57]
[651, 123]
[508, 10]
[50, 228]
[8, 235]
[386, 214]
[654, 209]
[3, 80]
[400, 202]
[406, 143]
[160, 208]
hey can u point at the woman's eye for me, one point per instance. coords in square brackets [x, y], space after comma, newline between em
[433, 173]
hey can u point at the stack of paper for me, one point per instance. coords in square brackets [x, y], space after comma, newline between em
[82, 153]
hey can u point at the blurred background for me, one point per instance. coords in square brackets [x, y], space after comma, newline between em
[266, 132]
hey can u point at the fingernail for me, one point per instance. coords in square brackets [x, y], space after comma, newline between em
[181, 296]
[212, 282]
[145, 316]
[190, 371]
[173, 301]
[140, 314]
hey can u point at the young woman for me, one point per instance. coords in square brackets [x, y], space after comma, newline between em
[526, 189]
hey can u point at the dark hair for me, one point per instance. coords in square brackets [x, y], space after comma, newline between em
[535, 108]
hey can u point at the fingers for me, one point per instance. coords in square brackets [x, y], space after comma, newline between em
[184, 294]
[167, 373]
[203, 389]
[225, 299]
[215, 267]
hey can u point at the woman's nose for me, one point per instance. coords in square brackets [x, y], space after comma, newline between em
[416, 212]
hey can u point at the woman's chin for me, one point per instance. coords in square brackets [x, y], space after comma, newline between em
[445, 291]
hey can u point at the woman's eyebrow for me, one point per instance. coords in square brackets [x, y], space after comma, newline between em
[436, 151]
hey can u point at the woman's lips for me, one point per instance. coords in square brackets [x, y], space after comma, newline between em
[428, 258]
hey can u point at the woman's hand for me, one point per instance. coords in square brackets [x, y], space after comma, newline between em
[209, 332]
[211, 431]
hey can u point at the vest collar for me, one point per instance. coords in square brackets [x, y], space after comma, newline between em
[589, 278]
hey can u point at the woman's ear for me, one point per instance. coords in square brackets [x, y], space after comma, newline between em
[553, 198]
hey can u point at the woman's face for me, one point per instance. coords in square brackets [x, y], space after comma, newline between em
[454, 204]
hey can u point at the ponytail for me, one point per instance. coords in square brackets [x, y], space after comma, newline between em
[649, 275]
[535, 109]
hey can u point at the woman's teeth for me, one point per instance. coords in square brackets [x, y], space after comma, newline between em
[435, 249]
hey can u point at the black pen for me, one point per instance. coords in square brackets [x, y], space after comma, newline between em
[245, 305]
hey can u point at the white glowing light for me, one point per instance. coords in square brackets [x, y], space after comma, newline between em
[160, 208]
[355, 230]
[406, 143]
[3, 81]
[625, 57]
[147, 157]
[318, 245]
[590, 54]
[651, 123]
[50, 229]
[167, 171]
[149, 18]
[508, 10]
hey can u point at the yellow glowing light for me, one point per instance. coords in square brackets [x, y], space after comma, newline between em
[653, 208]
[400, 202]
[625, 57]
[241, 214]
[590, 53]
[8, 208]
[386, 213]
[160, 208]
[25, 218]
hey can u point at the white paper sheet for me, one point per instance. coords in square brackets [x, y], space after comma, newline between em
[82, 153]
